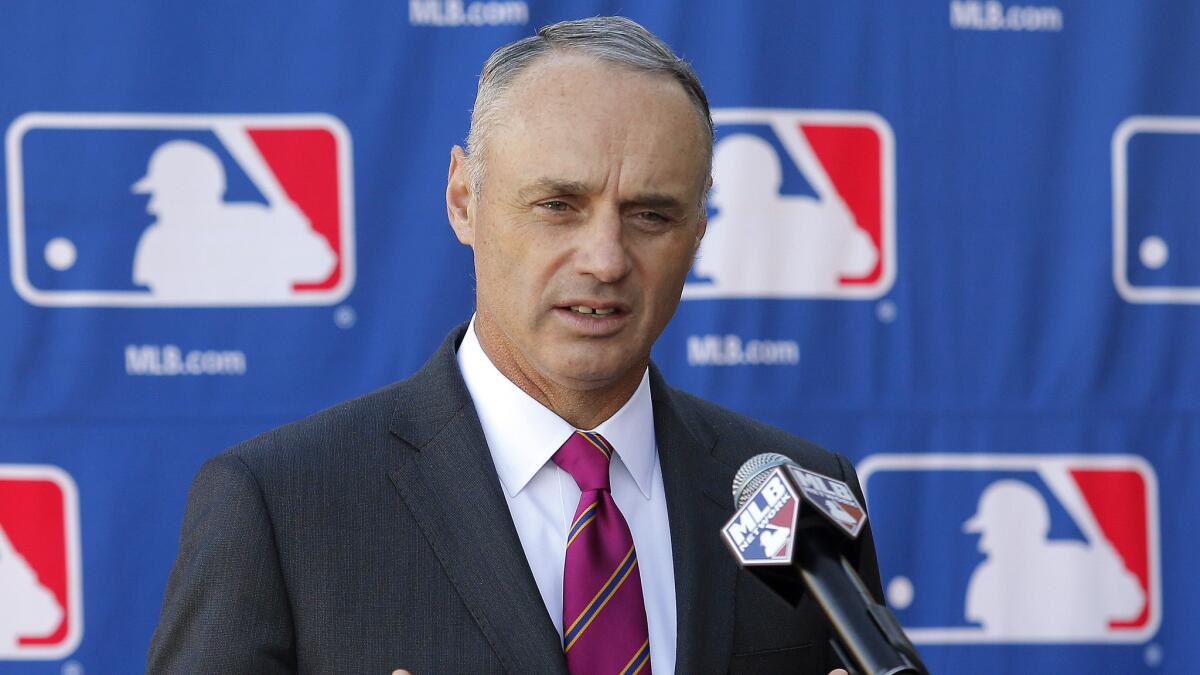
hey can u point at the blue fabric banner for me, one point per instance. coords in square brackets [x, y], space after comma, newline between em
[955, 240]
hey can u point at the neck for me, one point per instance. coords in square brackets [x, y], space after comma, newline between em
[582, 405]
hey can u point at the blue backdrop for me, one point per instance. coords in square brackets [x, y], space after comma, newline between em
[966, 255]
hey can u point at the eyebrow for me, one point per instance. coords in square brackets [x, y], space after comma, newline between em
[655, 200]
[551, 186]
[555, 186]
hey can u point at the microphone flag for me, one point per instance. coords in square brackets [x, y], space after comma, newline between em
[763, 529]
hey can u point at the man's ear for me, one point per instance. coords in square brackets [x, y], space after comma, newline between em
[702, 225]
[459, 195]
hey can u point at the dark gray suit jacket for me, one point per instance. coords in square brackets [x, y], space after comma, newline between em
[374, 535]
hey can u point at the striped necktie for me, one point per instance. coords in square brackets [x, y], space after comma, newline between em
[604, 615]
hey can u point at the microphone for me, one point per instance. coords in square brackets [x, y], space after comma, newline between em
[788, 530]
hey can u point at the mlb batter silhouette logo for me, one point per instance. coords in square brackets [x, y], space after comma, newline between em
[1042, 548]
[40, 576]
[802, 207]
[260, 251]
[1031, 587]
[180, 210]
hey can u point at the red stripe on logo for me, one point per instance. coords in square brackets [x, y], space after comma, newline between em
[31, 513]
[305, 162]
[1118, 500]
[852, 160]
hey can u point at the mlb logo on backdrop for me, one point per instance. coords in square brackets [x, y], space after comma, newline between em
[802, 206]
[133, 210]
[1018, 548]
[41, 616]
[1156, 244]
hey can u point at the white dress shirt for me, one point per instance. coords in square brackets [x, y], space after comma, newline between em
[523, 434]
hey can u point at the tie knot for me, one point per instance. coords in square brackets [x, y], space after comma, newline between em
[586, 456]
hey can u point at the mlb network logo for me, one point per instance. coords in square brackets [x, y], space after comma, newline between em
[1018, 548]
[803, 206]
[133, 210]
[760, 533]
[41, 616]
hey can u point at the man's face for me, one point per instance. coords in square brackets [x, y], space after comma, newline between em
[590, 212]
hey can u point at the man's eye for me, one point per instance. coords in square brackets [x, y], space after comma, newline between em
[652, 217]
[555, 205]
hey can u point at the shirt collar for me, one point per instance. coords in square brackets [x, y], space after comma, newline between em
[523, 434]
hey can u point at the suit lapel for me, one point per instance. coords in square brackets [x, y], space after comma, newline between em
[449, 483]
[697, 508]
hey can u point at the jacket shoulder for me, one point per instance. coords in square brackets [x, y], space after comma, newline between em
[363, 433]
[736, 437]
[330, 436]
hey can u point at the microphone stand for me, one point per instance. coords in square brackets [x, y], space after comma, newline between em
[869, 639]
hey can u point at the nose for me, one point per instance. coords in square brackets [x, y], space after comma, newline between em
[601, 250]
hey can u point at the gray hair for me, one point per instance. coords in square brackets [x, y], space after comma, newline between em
[614, 39]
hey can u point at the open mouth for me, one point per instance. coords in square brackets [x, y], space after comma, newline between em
[593, 311]
[594, 319]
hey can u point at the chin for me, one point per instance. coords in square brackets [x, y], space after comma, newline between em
[590, 376]
[606, 364]
[587, 378]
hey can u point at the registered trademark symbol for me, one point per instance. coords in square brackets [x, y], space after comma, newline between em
[1153, 655]
[345, 317]
[886, 311]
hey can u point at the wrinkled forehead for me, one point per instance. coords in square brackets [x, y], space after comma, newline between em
[574, 110]
[569, 58]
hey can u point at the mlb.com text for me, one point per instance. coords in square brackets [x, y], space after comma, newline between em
[993, 15]
[170, 360]
[732, 350]
[456, 13]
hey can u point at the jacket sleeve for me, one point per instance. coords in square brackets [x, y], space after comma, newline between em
[226, 608]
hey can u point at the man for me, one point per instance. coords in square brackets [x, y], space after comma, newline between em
[458, 521]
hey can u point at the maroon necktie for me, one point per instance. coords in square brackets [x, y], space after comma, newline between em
[604, 615]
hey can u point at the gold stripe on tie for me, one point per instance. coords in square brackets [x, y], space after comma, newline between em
[593, 442]
[637, 657]
[602, 597]
[607, 446]
[585, 519]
